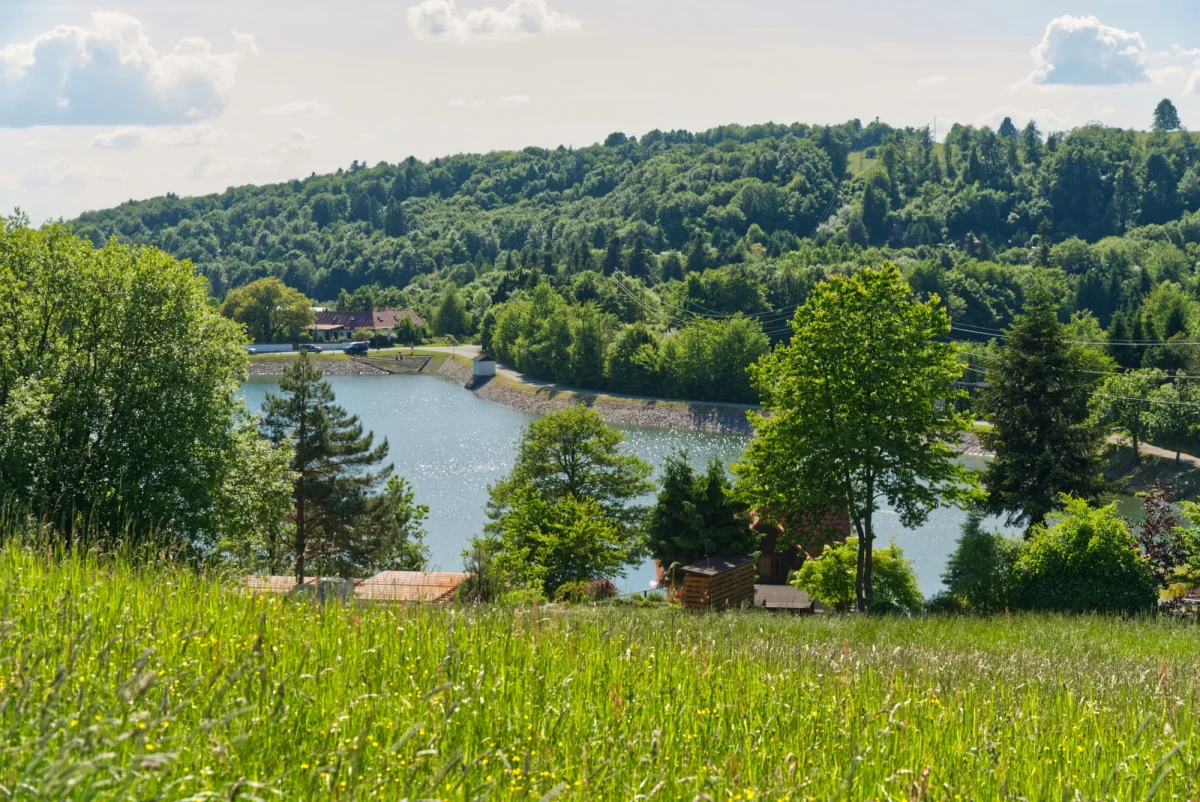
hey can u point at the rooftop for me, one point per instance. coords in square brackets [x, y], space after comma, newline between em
[716, 565]
[389, 586]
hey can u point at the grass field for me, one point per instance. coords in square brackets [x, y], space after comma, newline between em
[138, 684]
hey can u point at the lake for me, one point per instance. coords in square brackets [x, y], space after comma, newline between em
[451, 444]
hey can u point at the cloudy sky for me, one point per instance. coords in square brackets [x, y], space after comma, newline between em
[99, 104]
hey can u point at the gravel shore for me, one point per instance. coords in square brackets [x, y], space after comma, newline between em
[651, 414]
[330, 368]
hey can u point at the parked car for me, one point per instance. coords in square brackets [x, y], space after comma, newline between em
[251, 350]
[357, 349]
[312, 349]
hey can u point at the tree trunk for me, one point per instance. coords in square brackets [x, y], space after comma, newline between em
[860, 594]
[300, 545]
[1137, 451]
[869, 563]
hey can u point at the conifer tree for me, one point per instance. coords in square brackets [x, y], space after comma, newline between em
[336, 467]
[697, 516]
[1044, 438]
[613, 258]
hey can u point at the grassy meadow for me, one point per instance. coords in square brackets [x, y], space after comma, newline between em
[123, 683]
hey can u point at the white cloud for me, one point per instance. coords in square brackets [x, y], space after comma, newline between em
[63, 173]
[187, 136]
[514, 100]
[288, 154]
[108, 73]
[457, 103]
[444, 21]
[1082, 51]
[932, 80]
[1193, 86]
[479, 104]
[300, 108]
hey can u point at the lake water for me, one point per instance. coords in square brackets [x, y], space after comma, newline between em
[451, 444]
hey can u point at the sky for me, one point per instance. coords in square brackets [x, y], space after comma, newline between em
[127, 100]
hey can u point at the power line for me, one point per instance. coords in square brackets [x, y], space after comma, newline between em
[994, 333]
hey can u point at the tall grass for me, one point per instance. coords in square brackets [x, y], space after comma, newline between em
[151, 683]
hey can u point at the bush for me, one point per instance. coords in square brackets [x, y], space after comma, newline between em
[572, 592]
[1086, 562]
[578, 592]
[830, 578]
[523, 597]
[979, 573]
[599, 589]
[946, 603]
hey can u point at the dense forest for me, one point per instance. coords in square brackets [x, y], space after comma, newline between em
[622, 266]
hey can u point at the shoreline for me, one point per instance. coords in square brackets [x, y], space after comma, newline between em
[540, 400]
[677, 415]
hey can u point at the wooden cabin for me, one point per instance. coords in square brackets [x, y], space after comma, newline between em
[718, 583]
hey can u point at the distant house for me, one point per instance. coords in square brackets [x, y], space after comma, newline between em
[330, 327]
[485, 367]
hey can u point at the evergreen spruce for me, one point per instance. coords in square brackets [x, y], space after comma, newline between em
[696, 516]
[335, 463]
[1045, 440]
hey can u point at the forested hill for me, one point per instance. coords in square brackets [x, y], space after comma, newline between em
[718, 197]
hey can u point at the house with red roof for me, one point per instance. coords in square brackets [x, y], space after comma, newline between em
[330, 327]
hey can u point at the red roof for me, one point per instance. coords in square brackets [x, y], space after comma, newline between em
[375, 319]
[389, 586]
[409, 586]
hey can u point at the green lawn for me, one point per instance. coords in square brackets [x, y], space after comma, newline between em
[122, 684]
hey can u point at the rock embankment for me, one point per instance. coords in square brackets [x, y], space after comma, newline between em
[617, 412]
[626, 412]
[276, 367]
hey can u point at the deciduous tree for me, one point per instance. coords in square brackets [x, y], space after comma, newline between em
[859, 411]
[269, 309]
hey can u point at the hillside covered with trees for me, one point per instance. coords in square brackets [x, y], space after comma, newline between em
[668, 263]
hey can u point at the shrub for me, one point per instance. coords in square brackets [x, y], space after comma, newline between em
[980, 571]
[830, 578]
[572, 592]
[946, 603]
[1086, 562]
[523, 597]
[599, 589]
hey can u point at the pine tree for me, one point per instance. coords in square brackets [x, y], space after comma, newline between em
[1045, 440]
[948, 152]
[696, 516]
[335, 463]
[639, 263]
[613, 258]
[396, 224]
[1031, 144]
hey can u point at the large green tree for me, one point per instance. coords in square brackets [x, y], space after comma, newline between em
[697, 515]
[118, 394]
[858, 412]
[572, 452]
[336, 466]
[269, 309]
[1166, 116]
[1044, 437]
